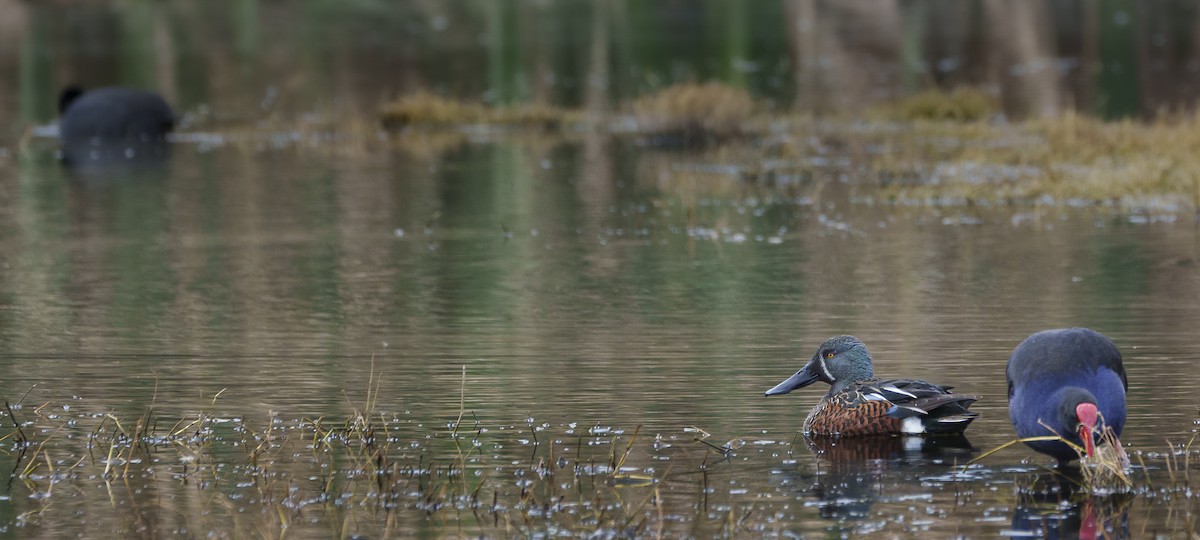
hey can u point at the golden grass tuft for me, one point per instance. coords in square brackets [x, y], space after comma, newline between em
[958, 105]
[1108, 470]
[427, 109]
[430, 109]
[695, 111]
[1068, 159]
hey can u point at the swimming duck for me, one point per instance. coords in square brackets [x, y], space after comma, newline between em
[860, 404]
[1071, 380]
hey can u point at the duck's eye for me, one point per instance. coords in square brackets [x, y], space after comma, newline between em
[828, 355]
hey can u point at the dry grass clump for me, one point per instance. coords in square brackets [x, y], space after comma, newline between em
[687, 113]
[931, 147]
[1065, 160]
[1107, 471]
[430, 109]
[958, 105]
[694, 112]
[427, 109]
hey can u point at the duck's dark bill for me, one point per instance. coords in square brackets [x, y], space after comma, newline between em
[801, 379]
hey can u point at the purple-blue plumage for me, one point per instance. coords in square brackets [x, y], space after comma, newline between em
[1052, 373]
[107, 127]
[113, 114]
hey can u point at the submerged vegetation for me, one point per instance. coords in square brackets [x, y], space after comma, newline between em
[931, 148]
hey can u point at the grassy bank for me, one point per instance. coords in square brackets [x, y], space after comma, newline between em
[932, 148]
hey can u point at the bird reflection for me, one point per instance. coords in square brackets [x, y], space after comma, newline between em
[98, 160]
[850, 477]
[1053, 507]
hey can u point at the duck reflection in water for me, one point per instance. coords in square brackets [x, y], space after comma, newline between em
[853, 473]
[1053, 507]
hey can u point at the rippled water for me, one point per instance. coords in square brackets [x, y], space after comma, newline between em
[541, 328]
[270, 282]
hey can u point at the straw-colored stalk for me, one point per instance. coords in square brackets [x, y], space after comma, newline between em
[1108, 469]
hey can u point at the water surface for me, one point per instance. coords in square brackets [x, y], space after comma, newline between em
[271, 282]
[559, 295]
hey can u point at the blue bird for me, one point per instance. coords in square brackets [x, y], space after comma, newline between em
[1072, 381]
[113, 114]
[113, 127]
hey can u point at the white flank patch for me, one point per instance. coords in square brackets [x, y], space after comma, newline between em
[899, 391]
[956, 419]
[913, 425]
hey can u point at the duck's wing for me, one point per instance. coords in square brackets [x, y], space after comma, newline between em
[938, 409]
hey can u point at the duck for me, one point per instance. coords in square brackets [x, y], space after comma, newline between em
[860, 404]
[113, 114]
[1070, 382]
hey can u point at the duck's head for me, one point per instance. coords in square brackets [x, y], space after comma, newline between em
[839, 361]
[1077, 413]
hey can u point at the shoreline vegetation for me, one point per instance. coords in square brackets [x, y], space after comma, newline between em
[935, 147]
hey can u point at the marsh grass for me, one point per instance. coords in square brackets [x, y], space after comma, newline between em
[691, 113]
[375, 473]
[1105, 472]
[1048, 161]
[369, 472]
[682, 114]
[424, 109]
[958, 105]
[935, 147]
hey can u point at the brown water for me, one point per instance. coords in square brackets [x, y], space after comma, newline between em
[587, 286]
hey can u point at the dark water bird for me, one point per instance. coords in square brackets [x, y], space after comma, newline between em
[113, 126]
[113, 113]
[860, 404]
[1071, 381]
